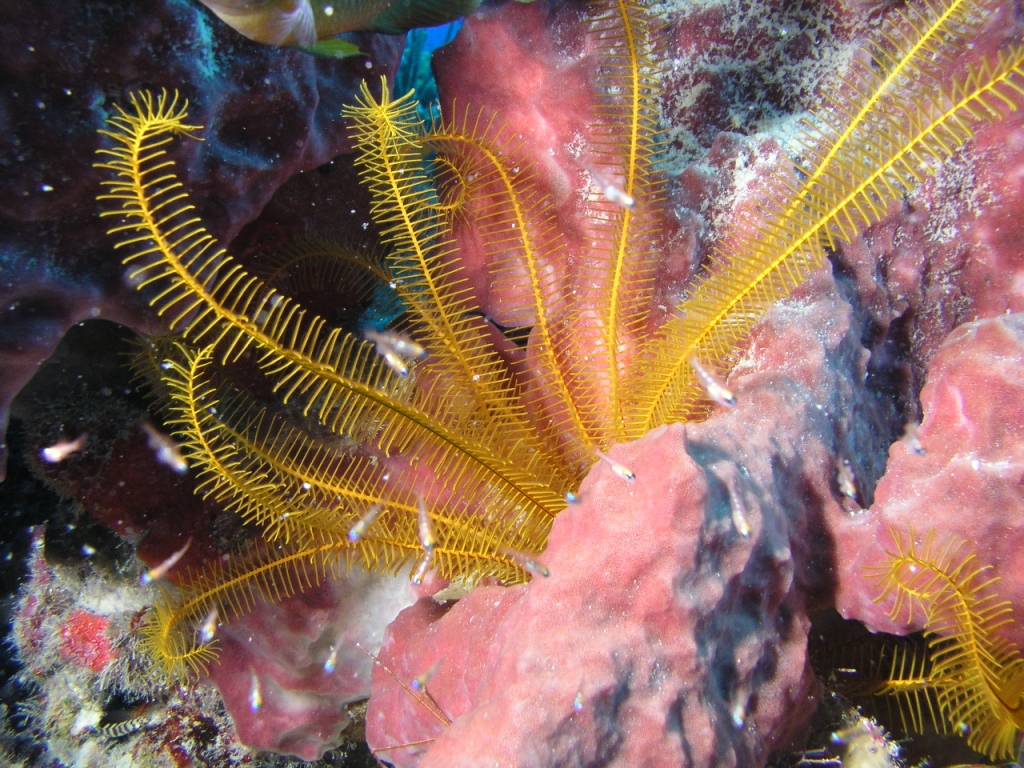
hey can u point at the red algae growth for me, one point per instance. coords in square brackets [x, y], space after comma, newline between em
[85, 640]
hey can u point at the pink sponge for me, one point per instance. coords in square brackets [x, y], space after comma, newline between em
[597, 660]
[288, 670]
[672, 630]
[969, 485]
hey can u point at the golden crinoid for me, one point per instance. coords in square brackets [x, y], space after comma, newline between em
[460, 461]
[967, 672]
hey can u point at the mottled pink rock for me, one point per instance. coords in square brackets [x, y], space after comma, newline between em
[532, 67]
[733, 66]
[968, 487]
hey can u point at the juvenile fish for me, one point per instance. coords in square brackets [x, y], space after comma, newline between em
[912, 440]
[332, 660]
[209, 626]
[165, 449]
[612, 192]
[622, 471]
[158, 572]
[399, 343]
[715, 389]
[527, 562]
[419, 684]
[422, 565]
[846, 480]
[56, 453]
[255, 694]
[357, 531]
[395, 348]
[426, 528]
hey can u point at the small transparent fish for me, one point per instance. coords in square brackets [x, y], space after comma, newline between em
[332, 660]
[165, 449]
[399, 343]
[422, 565]
[911, 438]
[624, 472]
[527, 562]
[419, 684]
[738, 711]
[88, 550]
[572, 498]
[209, 626]
[158, 572]
[577, 703]
[739, 513]
[395, 363]
[357, 531]
[56, 453]
[612, 192]
[738, 715]
[846, 480]
[715, 389]
[426, 528]
[425, 700]
[255, 694]
[395, 348]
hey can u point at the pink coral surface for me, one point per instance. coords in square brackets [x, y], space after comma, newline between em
[282, 650]
[673, 627]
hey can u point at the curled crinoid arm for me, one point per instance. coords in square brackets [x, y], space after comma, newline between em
[305, 491]
[470, 374]
[336, 379]
[975, 674]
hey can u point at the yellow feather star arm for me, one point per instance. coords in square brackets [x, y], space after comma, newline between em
[342, 380]
[913, 51]
[778, 246]
[515, 224]
[617, 272]
[171, 633]
[977, 677]
[388, 134]
[301, 489]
